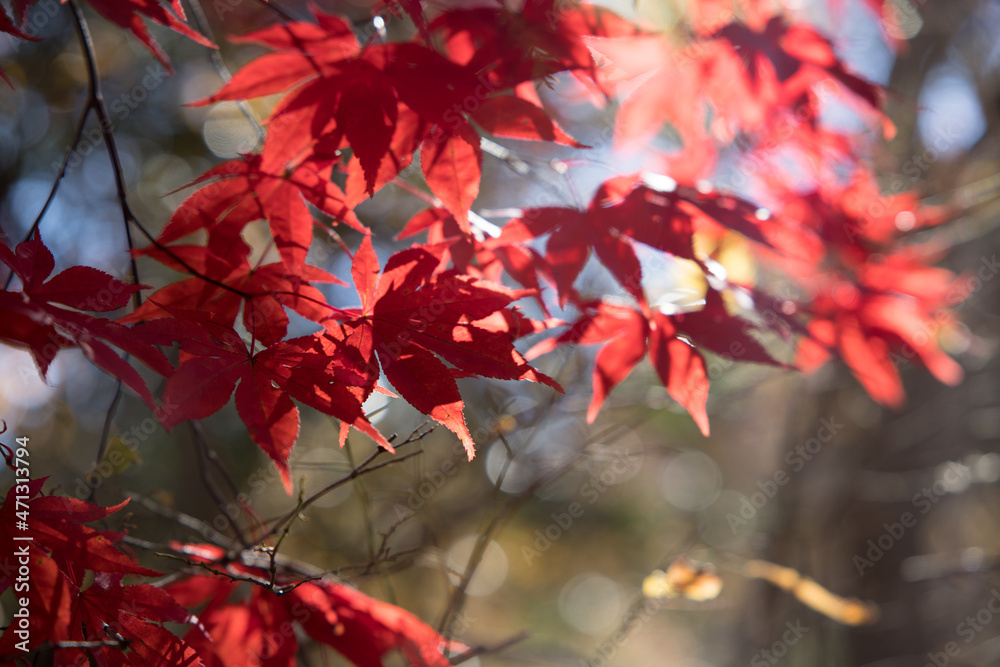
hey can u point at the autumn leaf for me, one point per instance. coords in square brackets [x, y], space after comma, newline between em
[363, 629]
[259, 630]
[134, 615]
[225, 279]
[60, 554]
[625, 210]
[628, 334]
[45, 316]
[512, 117]
[217, 363]
[341, 94]
[411, 316]
[128, 14]
[238, 192]
[746, 74]
[535, 41]
[452, 165]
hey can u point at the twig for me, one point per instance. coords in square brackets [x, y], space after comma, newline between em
[109, 416]
[363, 469]
[247, 557]
[478, 550]
[201, 453]
[366, 512]
[95, 102]
[499, 518]
[365, 569]
[272, 552]
[496, 648]
[203, 528]
[110, 643]
[234, 577]
[204, 27]
[77, 136]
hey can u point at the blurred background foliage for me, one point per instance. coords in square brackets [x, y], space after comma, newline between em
[565, 531]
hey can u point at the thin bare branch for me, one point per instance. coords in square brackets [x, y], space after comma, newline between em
[477, 651]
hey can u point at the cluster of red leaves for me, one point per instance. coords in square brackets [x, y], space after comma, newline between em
[45, 316]
[360, 112]
[70, 577]
[876, 305]
[244, 624]
[439, 311]
[126, 14]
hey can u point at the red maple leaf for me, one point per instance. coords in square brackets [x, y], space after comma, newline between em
[132, 615]
[746, 74]
[376, 105]
[8, 26]
[520, 116]
[238, 192]
[128, 14]
[257, 630]
[873, 306]
[535, 41]
[346, 96]
[45, 316]
[364, 629]
[216, 361]
[452, 166]
[892, 315]
[410, 316]
[488, 258]
[226, 279]
[58, 556]
[384, 102]
[622, 211]
[629, 334]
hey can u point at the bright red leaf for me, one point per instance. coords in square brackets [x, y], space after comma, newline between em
[59, 556]
[45, 316]
[218, 362]
[412, 316]
[258, 630]
[622, 211]
[628, 334]
[128, 14]
[236, 193]
[226, 279]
